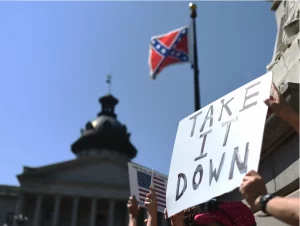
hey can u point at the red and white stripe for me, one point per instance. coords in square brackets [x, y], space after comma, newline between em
[160, 190]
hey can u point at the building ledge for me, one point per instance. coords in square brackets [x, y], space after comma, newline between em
[8, 190]
[277, 130]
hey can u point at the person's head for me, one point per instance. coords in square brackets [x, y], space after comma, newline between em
[226, 214]
[186, 215]
[189, 215]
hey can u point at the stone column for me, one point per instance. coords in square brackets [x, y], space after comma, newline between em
[19, 206]
[93, 212]
[38, 210]
[75, 211]
[56, 210]
[111, 213]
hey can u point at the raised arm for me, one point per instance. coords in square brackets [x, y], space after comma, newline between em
[151, 205]
[254, 191]
[279, 106]
[133, 211]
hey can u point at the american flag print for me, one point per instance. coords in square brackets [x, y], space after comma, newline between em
[168, 49]
[144, 182]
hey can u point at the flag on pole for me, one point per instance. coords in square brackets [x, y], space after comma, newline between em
[168, 49]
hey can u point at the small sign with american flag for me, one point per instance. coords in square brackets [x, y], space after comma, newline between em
[141, 178]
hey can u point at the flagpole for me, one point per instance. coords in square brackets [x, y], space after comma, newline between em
[193, 8]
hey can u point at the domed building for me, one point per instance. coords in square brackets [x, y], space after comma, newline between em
[91, 190]
[105, 133]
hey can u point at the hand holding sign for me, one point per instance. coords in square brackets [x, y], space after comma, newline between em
[277, 102]
[151, 203]
[141, 178]
[252, 187]
[281, 108]
[133, 207]
[217, 145]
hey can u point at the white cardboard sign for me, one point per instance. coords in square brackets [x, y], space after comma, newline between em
[217, 145]
[140, 179]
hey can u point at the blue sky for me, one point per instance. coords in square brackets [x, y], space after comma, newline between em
[55, 57]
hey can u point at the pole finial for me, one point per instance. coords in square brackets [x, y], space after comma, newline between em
[193, 8]
[108, 81]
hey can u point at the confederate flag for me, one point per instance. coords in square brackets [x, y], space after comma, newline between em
[168, 49]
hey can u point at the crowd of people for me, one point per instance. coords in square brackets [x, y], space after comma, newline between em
[252, 188]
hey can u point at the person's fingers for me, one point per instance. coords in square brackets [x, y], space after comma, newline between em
[139, 207]
[150, 195]
[148, 200]
[274, 89]
[166, 213]
[128, 205]
[247, 178]
[268, 102]
[133, 197]
[152, 190]
[251, 173]
[241, 189]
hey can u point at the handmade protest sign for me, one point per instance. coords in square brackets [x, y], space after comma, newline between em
[140, 179]
[217, 145]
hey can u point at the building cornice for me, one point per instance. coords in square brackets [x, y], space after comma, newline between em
[31, 171]
[50, 182]
[8, 190]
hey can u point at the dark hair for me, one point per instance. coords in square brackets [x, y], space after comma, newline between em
[189, 215]
[213, 205]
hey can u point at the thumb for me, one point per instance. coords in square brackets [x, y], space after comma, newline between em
[149, 195]
[268, 102]
[251, 173]
[274, 89]
[152, 190]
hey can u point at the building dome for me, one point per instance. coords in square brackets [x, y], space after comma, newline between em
[105, 132]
